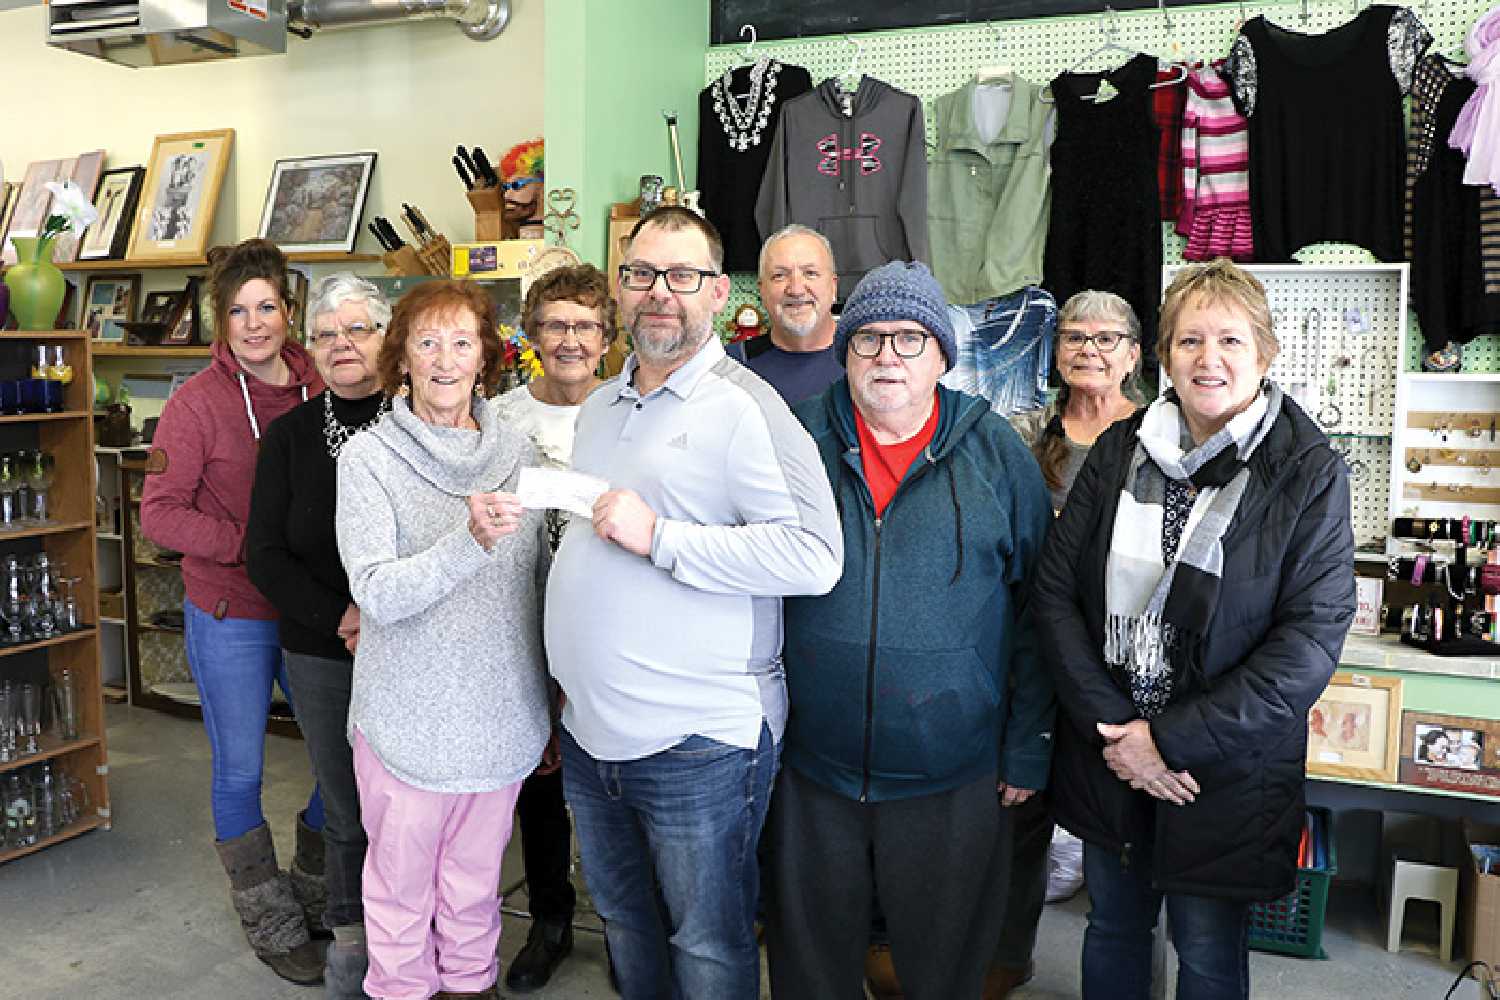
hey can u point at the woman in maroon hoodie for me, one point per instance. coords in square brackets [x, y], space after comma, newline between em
[197, 500]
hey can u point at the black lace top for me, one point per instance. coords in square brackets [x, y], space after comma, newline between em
[737, 116]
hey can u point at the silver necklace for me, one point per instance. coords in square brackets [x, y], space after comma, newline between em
[336, 435]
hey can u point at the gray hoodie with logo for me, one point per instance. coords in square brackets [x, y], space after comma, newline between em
[853, 167]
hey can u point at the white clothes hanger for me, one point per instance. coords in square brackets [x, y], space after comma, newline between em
[998, 73]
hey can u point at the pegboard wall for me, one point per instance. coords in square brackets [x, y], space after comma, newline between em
[1340, 327]
[930, 62]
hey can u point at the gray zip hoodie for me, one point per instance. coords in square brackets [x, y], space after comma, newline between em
[859, 178]
[450, 683]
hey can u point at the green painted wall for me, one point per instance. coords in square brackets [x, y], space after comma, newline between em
[611, 68]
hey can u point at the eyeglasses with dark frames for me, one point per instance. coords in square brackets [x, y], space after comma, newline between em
[680, 280]
[906, 343]
[1104, 341]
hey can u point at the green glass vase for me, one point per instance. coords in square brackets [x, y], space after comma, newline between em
[36, 285]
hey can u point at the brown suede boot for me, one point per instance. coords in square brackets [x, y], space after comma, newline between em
[880, 974]
[269, 913]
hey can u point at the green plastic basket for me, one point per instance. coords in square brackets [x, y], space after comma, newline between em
[1293, 925]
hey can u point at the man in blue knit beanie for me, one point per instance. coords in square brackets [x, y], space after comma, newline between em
[918, 708]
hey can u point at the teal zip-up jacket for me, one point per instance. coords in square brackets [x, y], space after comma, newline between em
[918, 672]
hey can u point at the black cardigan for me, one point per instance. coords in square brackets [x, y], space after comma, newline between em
[1286, 600]
[290, 548]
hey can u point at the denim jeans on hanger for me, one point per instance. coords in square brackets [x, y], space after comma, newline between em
[1005, 349]
[234, 661]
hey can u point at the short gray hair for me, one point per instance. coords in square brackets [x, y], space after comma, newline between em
[1093, 305]
[335, 289]
[794, 229]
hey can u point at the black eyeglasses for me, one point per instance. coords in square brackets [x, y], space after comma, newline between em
[906, 343]
[1104, 341]
[357, 333]
[681, 280]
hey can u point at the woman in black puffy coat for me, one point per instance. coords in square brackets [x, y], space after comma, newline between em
[1193, 597]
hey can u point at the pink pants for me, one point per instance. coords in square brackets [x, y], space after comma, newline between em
[431, 882]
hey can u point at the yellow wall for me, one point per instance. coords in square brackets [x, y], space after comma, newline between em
[411, 92]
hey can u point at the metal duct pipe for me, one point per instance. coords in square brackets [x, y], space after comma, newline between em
[481, 20]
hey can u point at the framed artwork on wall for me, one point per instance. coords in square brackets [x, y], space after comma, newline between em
[180, 195]
[32, 202]
[316, 203]
[109, 301]
[1354, 729]
[185, 324]
[85, 174]
[116, 199]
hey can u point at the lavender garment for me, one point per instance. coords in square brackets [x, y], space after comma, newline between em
[1477, 131]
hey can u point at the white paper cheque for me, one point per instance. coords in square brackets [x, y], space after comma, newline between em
[544, 489]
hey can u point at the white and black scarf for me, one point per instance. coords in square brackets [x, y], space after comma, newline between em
[1156, 612]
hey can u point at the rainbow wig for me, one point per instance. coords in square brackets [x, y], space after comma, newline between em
[523, 160]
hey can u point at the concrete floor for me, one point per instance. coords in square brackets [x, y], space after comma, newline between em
[141, 911]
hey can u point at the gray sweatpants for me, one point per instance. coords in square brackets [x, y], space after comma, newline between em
[940, 863]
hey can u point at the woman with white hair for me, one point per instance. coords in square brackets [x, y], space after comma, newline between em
[293, 558]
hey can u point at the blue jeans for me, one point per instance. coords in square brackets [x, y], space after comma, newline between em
[234, 661]
[668, 846]
[1209, 935]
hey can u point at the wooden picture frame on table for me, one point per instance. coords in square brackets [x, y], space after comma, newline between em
[317, 203]
[1354, 729]
[116, 200]
[108, 301]
[183, 328]
[180, 196]
[1453, 752]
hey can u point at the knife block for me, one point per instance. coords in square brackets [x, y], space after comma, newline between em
[403, 263]
[489, 214]
[437, 256]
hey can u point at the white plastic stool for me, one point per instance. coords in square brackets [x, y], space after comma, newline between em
[1414, 880]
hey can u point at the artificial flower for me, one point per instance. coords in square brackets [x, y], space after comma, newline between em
[71, 210]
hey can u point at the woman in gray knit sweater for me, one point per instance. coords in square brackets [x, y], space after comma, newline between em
[449, 710]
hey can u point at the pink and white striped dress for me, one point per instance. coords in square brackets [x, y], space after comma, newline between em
[1215, 214]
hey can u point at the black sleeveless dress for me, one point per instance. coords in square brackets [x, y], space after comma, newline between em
[1105, 228]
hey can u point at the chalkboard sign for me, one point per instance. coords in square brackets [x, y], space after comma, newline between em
[810, 18]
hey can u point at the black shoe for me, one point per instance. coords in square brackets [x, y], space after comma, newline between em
[546, 946]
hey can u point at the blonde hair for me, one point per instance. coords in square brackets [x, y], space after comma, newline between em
[1218, 282]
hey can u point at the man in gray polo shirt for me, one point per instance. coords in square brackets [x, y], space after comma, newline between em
[664, 623]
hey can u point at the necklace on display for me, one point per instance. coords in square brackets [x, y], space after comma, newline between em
[336, 434]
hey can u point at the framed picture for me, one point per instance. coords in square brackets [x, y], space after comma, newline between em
[1452, 752]
[85, 174]
[109, 301]
[298, 286]
[32, 202]
[116, 199]
[180, 195]
[1354, 729]
[184, 324]
[317, 203]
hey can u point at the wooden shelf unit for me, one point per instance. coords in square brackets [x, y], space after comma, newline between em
[137, 624]
[309, 257]
[68, 540]
[113, 349]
